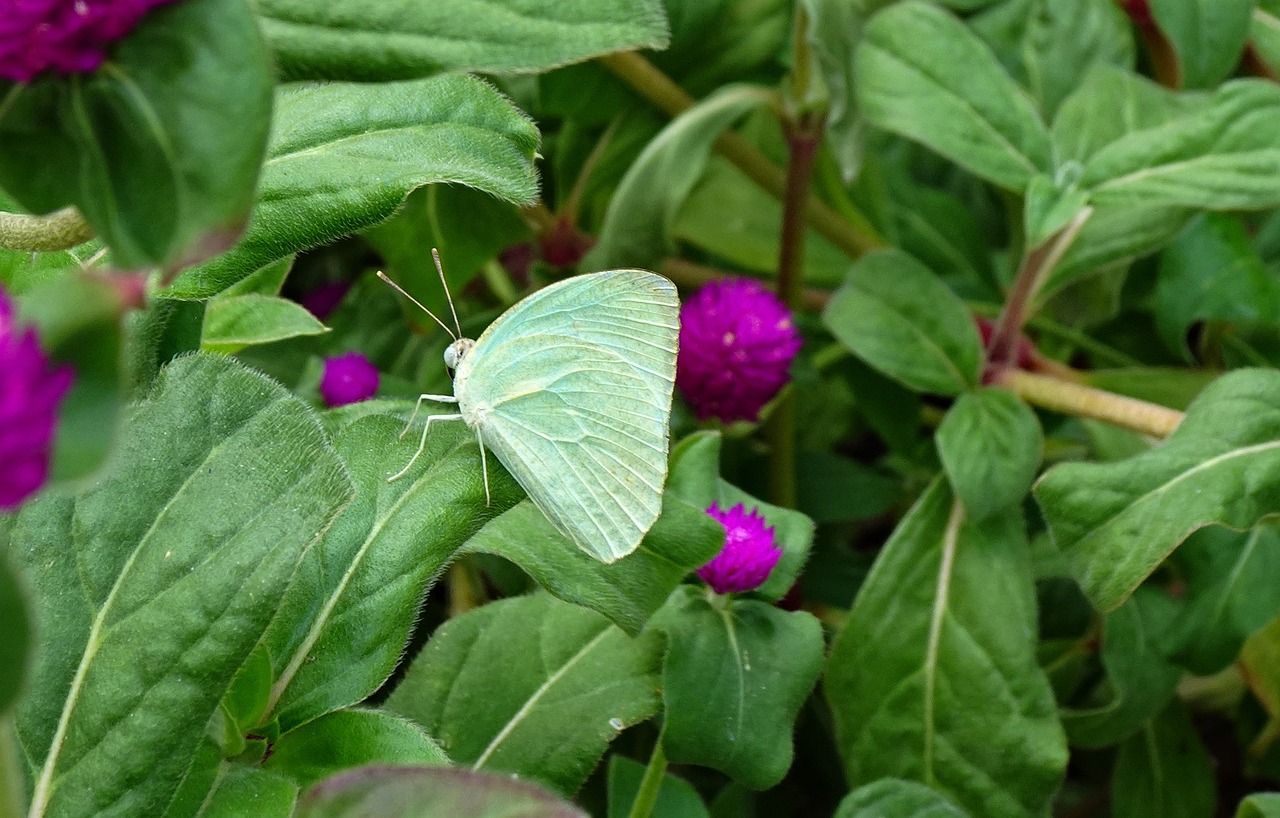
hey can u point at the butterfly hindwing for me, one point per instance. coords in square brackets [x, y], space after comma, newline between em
[571, 389]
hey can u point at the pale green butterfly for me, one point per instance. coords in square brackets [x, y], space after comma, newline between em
[571, 389]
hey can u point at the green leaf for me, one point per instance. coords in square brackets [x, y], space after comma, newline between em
[1233, 590]
[404, 792]
[1223, 156]
[895, 315]
[1260, 805]
[15, 639]
[1212, 272]
[160, 148]
[234, 322]
[1107, 104]
[77, 318]
[1139, 680]
[343, 157]
[896, 798]
[637, 229]
[1115, 522]
[1164, 770]
[355, 40]
[1048, 208]
[242, 791]
[934, 676]
[990, 444]
[1049, 46]
[1115, 235]
[346, 620]
[628, 591]
[676, 797]
[1207, 36]
[531, 686]
[152, 587]
[923, 75]
[736, 674]
[836, 489]
[350, 738]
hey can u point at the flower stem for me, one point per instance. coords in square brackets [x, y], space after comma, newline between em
[60, 230]
[1087, 402]
[853, 238]
[651, 784]
[1036, 266]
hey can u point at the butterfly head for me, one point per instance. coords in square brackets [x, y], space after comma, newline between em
[455, 352]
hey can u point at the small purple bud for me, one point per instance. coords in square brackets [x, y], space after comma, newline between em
[748, 554]
[347, 379]
[63, 36]
[30, 393]
[737, 341]
[322, 300]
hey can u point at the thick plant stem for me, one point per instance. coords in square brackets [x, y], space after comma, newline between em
[1036, 266]
[651, 784]
[60, 230]
[803, 138]
[853, 239]
[1086, 402]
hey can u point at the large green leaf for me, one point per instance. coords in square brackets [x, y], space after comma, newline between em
[628, 591]
[1212, 271]
[402, 39]
[1047, 45]
[342, 157]
[350, 738]
[1222, 156]
[430, 792]
[637, 229]
[347, 618]
[990, 444]
[234, 322]
[1115, 522]
[242, 790]
[895, 798]
[735, 676]
[1107, 104]
[934, 676]
[532, 686]
[895, 315]
[924, 75]
[160, 148]
[151, 588]
[1164, 770]
[1207, 36]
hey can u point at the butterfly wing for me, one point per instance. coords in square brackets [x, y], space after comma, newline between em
[571, 389]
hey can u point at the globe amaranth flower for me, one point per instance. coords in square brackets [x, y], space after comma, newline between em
[737, 341]
[30, 393]
[322, 300]
[748, 554]
[63, 36]
[347, 379]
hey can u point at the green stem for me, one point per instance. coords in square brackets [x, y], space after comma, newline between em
[651, 784]
[500, 284]
[1078, 400]
[11, 784]
[854, 239]
[60, 230]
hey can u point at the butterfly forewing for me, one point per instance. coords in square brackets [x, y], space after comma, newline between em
[571, 389]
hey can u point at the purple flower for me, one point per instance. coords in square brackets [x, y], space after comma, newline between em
[30, 392]
[347, 379]
[737, 342]
[322, 300]
[65, 36]
[748, 554]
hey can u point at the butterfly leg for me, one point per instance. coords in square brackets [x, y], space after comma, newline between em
[418, 405]
[422, 444]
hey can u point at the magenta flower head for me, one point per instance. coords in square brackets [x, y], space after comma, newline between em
[347, 379]
[64, 36]
[748, 554]
[30, 393]
[322, 300]
[737, 342]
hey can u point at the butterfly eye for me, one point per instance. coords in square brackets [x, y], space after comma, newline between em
[455, 352]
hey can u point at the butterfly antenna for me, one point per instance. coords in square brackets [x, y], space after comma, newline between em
[442, 324]
[435, 254]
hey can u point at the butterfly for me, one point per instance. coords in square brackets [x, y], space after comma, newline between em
[571, 388]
